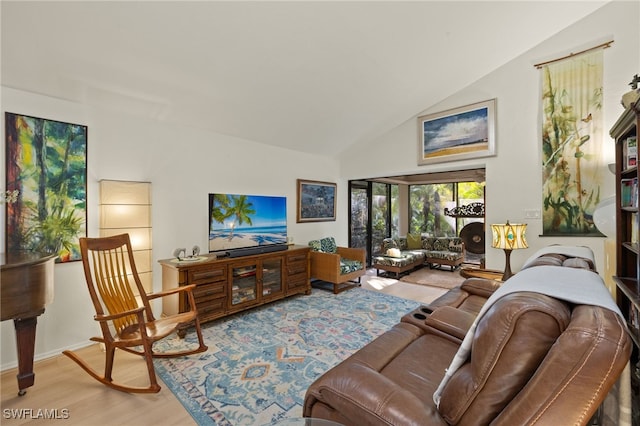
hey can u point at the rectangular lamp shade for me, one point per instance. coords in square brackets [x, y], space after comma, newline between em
[140, 237]
[125, 193]
[509, 236]
[125, 208]
[125, 216]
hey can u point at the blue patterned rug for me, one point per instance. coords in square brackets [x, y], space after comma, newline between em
[261, 362]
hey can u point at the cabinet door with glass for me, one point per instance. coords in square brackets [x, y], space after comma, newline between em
[272, 284]
[243, 282]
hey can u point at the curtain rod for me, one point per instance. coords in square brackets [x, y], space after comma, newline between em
[602, 45]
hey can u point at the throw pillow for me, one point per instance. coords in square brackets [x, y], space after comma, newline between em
[328, 245]
[315, 245]
[388, 243]
[414, 242]
[394, 252]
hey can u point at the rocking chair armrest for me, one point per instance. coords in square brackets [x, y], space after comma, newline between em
[136, 311]
[171, 291]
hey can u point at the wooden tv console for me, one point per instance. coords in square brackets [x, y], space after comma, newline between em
[225, 285]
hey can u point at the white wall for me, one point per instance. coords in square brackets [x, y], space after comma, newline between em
[514, 175]
[184, 165]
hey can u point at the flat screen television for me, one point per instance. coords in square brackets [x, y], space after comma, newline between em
[239, 223]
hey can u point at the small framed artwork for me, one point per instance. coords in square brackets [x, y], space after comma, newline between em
[458, 134]
[316, 201]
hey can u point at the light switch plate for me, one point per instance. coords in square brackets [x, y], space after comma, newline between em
[532, 214]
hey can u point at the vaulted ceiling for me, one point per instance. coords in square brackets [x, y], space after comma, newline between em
[309, 76]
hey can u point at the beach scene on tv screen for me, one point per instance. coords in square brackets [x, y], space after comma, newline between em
[238, 221]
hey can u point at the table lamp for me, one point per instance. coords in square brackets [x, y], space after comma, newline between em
[509, 236]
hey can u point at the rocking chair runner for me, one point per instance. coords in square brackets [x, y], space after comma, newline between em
[109, 268]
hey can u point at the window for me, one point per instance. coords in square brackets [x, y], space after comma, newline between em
[427, 203]
[426, 209]
[393, 206]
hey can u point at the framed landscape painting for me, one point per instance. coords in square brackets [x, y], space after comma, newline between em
[316, 201]
[46, 166]
[458, 134]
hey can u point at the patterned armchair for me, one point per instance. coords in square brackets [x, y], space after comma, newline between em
[340, 266]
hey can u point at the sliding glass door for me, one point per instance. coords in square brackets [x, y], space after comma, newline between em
[380, 215]
[359, 227]
[432, 209]
[372, 215]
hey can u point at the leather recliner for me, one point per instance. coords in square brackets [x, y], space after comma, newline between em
[534, 360]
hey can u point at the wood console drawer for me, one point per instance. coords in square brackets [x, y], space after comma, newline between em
[212, 309]
[204, 292]
[298, 267]
[297, 257]
[207, 275]
[298, 280]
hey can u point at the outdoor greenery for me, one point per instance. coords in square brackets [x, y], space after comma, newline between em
[429, 201]
[380, 225]
[426, 210]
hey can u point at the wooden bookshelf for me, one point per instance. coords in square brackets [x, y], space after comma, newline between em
[627, 279]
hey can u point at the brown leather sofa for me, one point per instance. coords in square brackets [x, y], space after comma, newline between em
[469, 296]
[534, 359]
[456, 309]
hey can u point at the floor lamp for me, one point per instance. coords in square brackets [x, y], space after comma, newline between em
[509, 236]
[125, 207]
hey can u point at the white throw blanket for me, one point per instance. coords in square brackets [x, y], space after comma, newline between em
[571, 251]
[573, 285]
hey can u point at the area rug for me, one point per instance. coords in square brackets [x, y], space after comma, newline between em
[434, 277]
[261, 362]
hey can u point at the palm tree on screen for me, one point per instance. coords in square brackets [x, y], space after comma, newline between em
[237, 207]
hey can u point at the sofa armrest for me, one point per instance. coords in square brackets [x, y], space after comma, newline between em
[453, 297]
[448, 321]
[325, 260]
[480, 286]
[378, 398]
[353, 253]
[325, 266]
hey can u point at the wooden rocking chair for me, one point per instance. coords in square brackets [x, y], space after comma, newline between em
[109, 270]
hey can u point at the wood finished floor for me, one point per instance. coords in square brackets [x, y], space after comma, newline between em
[61, 385]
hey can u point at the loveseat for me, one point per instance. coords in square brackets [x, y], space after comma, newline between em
[545, 348]
[402, 254]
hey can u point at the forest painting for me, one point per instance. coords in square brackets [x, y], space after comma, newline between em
[572, 163]
[46, 162]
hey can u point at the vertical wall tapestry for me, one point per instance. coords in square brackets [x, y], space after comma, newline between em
[572, 163]
[46, 163]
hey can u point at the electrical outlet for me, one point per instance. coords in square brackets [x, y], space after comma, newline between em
[532, 214]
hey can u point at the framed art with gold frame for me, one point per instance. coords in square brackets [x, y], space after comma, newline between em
[458, 134]
[316, 201]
